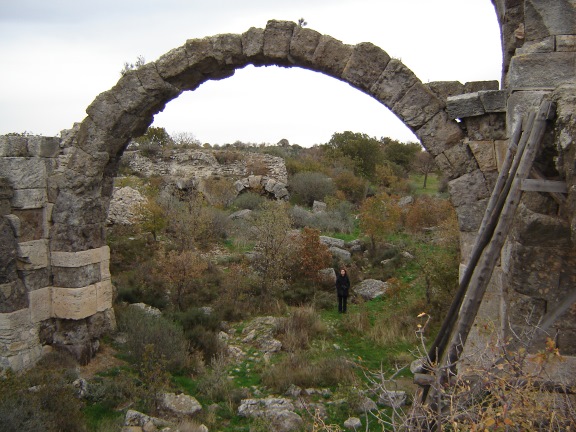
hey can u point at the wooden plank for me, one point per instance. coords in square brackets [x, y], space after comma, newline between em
[537, 185]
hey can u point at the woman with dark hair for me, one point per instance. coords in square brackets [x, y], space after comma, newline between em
[342, 286]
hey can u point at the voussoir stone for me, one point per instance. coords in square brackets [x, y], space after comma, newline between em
[365, 66]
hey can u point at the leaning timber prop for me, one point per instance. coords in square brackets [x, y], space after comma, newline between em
[522, 150]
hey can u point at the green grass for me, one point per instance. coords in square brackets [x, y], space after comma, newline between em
[417, 182]
[97, 416]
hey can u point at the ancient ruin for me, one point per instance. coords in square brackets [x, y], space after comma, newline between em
[55, 284]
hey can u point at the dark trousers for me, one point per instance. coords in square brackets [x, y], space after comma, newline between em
[342, 303]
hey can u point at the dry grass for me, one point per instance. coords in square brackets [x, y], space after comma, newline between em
[300, 328]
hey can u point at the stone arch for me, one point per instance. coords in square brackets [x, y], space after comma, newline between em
[125, 111]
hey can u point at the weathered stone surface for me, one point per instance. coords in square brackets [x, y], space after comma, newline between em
[365, 66]
[468, 189]
[74, 303]
[464, 105]
[394, 399]
[31, 224]
[439, 134]
[490, 126]
[542, 70]
[303, 45]
[393, 83]
[443, 89]
[253, 43]
[24, 173]
[179, 405]
[46, 147]
[29, 198]
[470, 215]
[136, 418]
[13, 296]
[13, 146]
[341, 254]
[104, 295]
[40, 304]
[331, 241]
[277, 38]
[8, 252]
[318, 206]
[535, 229]
[124, 206]
[545, 45]
[35, 279]
[543, 18]
[460, 161]
[417, 106]
[484, 153]
[519, 104]
[476, 86]
[331, 56]
[33, 255]
[80, 258]
[493, 100]
[76, 277]
[278, 411]
[369, 289]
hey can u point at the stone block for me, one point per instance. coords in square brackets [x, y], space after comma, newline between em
[365, 65]
[467, 241]
[13, 296]
[29, 198]
[80, 258]
[464, 105]
[537, 46]
[31, 223]
[33, 255]
[104, 295]
[460, 160]
[566, 43]
[16, 320]
[41, 304]
[541, 70]
[440, 133]
[15, 224]
[173, 67]
[493, 100]
[24, 173]
[35, 279]
[393, 83]
[484, 153]
[76, 277]
[543, 18]
[535, 229]
[47, 147]
[5, 207]
[227, 49]
[476, 86]
[277, 38]
[519, 104]
[418, 106]
[500, 151]
[331, 56]
[303, 45]
[468, 188]
[470, 215]
[13, 146]
[105, 270]
[74, 303]
[443, 89]
[253, 42]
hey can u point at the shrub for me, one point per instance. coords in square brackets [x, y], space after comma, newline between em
[427, 212]
[143, 329]
[299, 370]
[353, 187]
[248, 200]
[297, 331]
[219, 191]
[307, 187]
[226, 157]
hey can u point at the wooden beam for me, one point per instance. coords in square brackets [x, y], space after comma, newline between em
[537, 185]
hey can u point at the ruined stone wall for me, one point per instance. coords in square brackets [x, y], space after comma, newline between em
[40, 289]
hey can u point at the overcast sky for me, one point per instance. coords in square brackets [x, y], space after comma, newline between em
[58, 55]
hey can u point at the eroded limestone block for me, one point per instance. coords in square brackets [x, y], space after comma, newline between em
[33, 255]
[464, 105]
[393, 83]
[417, 106]
[24, 173]
[484, 153]
[74, 303]
[277, 38]
[365, 65]
[47, 147]
[443, 89]
[543, 18]
[253, 43]
[331, 56]
[303, 45]
[76, 277]
[541, 70]
[459, 159]
[104, 295]
[13, 146]
[29, 198]
[470, 215]
[440, 133]
[493, 100]
[468, 188]
[40, 304]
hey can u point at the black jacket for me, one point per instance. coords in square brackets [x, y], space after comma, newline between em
[342, 284]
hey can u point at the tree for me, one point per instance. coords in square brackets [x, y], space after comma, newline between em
[379, 217]
[311, 255]
[152, 217]
[424, 164]
[362, 149]
[273, 246]
[179, 272]
[400, 153]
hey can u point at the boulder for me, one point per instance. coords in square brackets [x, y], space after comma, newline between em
[150, 310]
[318, 206]
[353, 423]
[179, 405]
[124, 206]
[341, 254]
[278, 411]
[245, 214]
[369, 289]
[392, 398]
[331, 241]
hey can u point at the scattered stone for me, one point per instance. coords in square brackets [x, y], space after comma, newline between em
[392, 398]
[332, 242]
[370, 289]
[124, 206]
[293, 391]
[150, 310]
[179, 405]
[353, 423]
[136, 418]
[318, 206]
[417, 366]
[404, 201]
[278, 411]
[407, 255]
[341, 254]
[245, 214]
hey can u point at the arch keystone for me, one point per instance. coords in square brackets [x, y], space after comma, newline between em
[365, 66]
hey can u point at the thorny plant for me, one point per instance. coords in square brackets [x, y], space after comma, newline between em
[506, 386]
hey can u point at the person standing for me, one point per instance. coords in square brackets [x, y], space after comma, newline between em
[342, 287]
